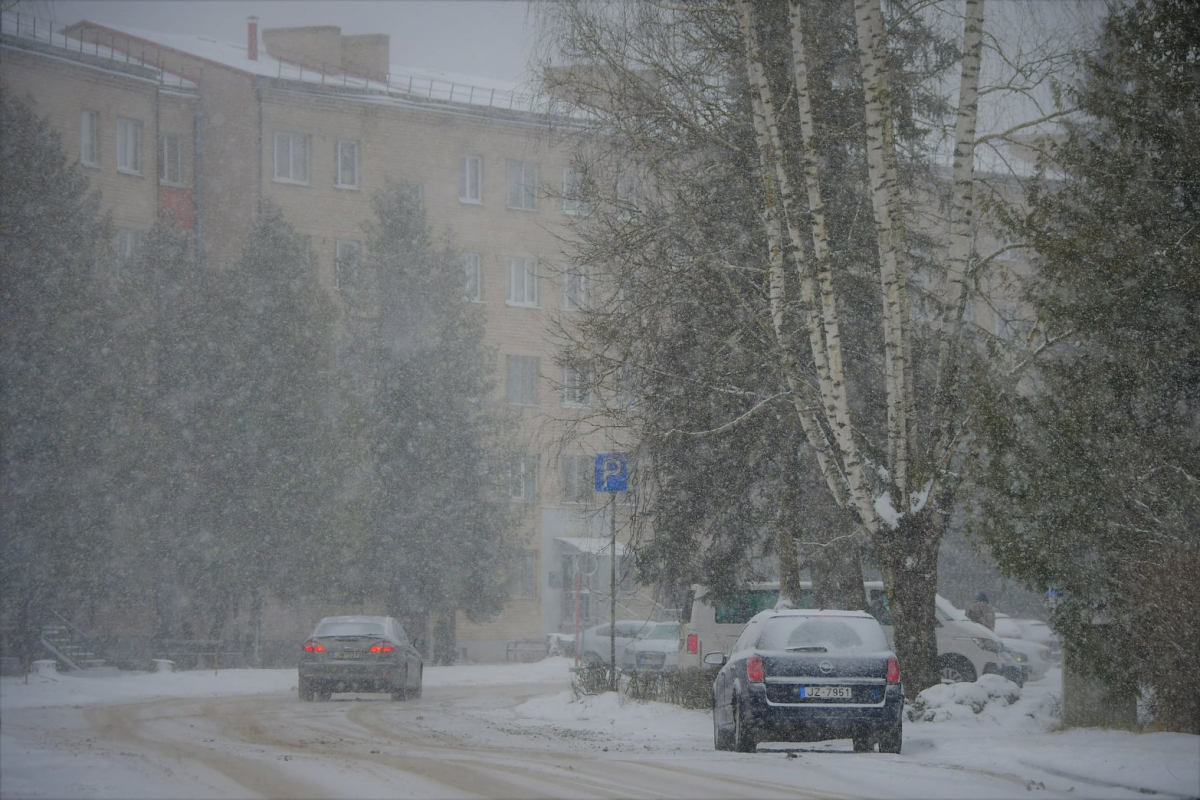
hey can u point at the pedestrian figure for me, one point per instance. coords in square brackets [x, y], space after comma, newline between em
[981, 611]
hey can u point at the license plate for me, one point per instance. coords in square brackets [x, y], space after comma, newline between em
[348, 654]
[826, 692]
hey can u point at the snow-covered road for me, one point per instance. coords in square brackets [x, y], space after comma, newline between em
[516, 731]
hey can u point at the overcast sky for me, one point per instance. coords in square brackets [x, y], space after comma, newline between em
[488, 38]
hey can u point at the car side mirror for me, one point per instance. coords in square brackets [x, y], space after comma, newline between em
[714, 659]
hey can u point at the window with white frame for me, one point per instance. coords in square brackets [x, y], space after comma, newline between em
[170, 159]
[472, 277]
[578, 478]
[346, 256]
[470, 179]
[521, 380]
[626, 388]
[522, 581]
[522, 185]
[521, 476]
[89, 138]
[129, 241]
[576, 386]
[291, 157]
[522, 282]
[575, 288]
[573, 193]
[129, 146]
[346, 176]
[627, 188]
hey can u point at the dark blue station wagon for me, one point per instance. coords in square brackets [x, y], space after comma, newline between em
[808, 675]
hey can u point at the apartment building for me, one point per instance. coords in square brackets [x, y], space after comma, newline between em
[316, 121]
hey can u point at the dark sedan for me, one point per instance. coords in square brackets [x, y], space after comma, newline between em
[359, 654]
[806, 676]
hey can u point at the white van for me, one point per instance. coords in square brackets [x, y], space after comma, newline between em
[966, 649]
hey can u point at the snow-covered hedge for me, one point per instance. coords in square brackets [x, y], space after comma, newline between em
[950, 700]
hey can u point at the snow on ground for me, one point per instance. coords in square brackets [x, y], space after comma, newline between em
[989, 727]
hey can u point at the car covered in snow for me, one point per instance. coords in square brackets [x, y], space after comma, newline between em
[359, 654]
[657, 651]
[596, 643]
[804, 675]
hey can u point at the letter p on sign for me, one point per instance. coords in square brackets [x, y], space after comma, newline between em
[612, 472]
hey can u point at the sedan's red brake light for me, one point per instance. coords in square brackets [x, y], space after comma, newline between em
[383, 647]
[313, 646]
[754, 669]
[893, 670]
[693, 644]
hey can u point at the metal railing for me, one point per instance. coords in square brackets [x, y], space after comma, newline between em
[41, 30]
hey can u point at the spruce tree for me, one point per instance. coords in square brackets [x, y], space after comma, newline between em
[436, 535]
[55, 324]
[1093, 464]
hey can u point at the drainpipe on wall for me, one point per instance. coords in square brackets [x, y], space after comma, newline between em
[197, 186]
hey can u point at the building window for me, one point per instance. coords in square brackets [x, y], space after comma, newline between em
[522, 374]
[291, 157]
[575, 286]
[626, 388]
[522, 282]
[470, 179]
[472, 277]
[347, 165]
[578, 478]
[89, 138]
[522, 477]
[129, 146]
[346, 256]
[129, 242]
[627, 186]
[573, 193]
[523, 575]
[522, 185]
[576, 387]
[170, 159]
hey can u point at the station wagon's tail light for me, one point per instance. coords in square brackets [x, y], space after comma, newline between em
[383, 647]
[693, 644]
[893, 670]
[313, 646]
[754, 669]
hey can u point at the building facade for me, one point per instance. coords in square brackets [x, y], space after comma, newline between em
[316, 122]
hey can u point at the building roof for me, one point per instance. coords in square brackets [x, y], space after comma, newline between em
[401, 82]
[39, 34]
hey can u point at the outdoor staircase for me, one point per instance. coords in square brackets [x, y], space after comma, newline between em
[69, 645]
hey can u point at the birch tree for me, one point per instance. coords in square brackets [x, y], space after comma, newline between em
[726, 87]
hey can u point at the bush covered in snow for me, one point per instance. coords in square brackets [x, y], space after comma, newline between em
[949, 700]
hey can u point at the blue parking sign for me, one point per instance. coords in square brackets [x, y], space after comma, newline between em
[612, 472]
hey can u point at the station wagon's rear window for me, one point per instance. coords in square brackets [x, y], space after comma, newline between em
[822, 634]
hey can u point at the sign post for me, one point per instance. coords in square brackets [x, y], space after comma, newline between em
[612, 476]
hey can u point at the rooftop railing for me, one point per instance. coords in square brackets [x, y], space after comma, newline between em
[41, 30]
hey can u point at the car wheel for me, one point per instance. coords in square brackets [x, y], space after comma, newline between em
[891, 738]
[722, 739]
[863, 742]
[743, 739]
[956, 669]
[305, 690]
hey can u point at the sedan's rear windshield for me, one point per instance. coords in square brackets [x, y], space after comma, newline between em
[350, 629]
[822, 634]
